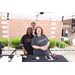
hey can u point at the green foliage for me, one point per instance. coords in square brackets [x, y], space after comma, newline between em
[15, 41]
[52, 43]
[66, 41]
[62, 44]
[4, 41]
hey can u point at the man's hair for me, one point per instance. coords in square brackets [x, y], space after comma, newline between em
[33, 23]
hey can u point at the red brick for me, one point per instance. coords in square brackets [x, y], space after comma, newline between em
[18, 27]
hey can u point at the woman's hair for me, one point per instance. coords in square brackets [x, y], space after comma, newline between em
[28, 29]
[36, 30]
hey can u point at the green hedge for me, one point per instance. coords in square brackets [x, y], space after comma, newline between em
[15, 41]
[52, 43]
[66, 41]
[62, 45]
[4, 41]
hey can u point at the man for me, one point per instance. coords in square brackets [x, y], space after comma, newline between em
[33, 25]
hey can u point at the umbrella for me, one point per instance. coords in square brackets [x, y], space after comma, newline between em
[37, 16]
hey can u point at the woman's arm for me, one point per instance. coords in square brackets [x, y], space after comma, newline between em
[36, 47]
[39, 47]
[22, 44]
[47, 44]
[24, 50]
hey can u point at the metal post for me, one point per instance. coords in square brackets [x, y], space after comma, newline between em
[72, 21]
[8, 29]
[61, 31]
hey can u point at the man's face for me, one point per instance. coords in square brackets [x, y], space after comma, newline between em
[33, 26]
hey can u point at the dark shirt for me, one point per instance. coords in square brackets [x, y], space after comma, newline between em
[0, 45]
[0, 48]
[26, 43]
[40, 41]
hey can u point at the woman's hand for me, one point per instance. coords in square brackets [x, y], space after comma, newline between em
[43, 48]
[26, 52]
[40, 47]
[46, 46]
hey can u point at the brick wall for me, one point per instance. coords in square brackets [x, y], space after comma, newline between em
[3, 27]
[66, 26]
[0, 28]
[18, 27]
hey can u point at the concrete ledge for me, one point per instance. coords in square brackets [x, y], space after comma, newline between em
[4, 31]
[62, 49]
[53, 28]
[4, 27]
[4, 36]
[4, 22]
[53, 23]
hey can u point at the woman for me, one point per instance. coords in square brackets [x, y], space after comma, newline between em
[40, 43]
[26, 42]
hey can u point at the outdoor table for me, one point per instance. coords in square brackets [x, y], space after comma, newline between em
[59, 58]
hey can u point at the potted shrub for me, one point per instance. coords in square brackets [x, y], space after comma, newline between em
[66, 41]
[4, 41]
[15, 42]
[52, 43]
[62, 44]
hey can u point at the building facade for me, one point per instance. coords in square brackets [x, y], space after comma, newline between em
[67, 26]
[18, 27]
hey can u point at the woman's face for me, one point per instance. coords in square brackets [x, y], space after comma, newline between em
[38, 30]
[29, 31]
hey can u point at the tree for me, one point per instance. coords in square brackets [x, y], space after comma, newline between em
[71, 35]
